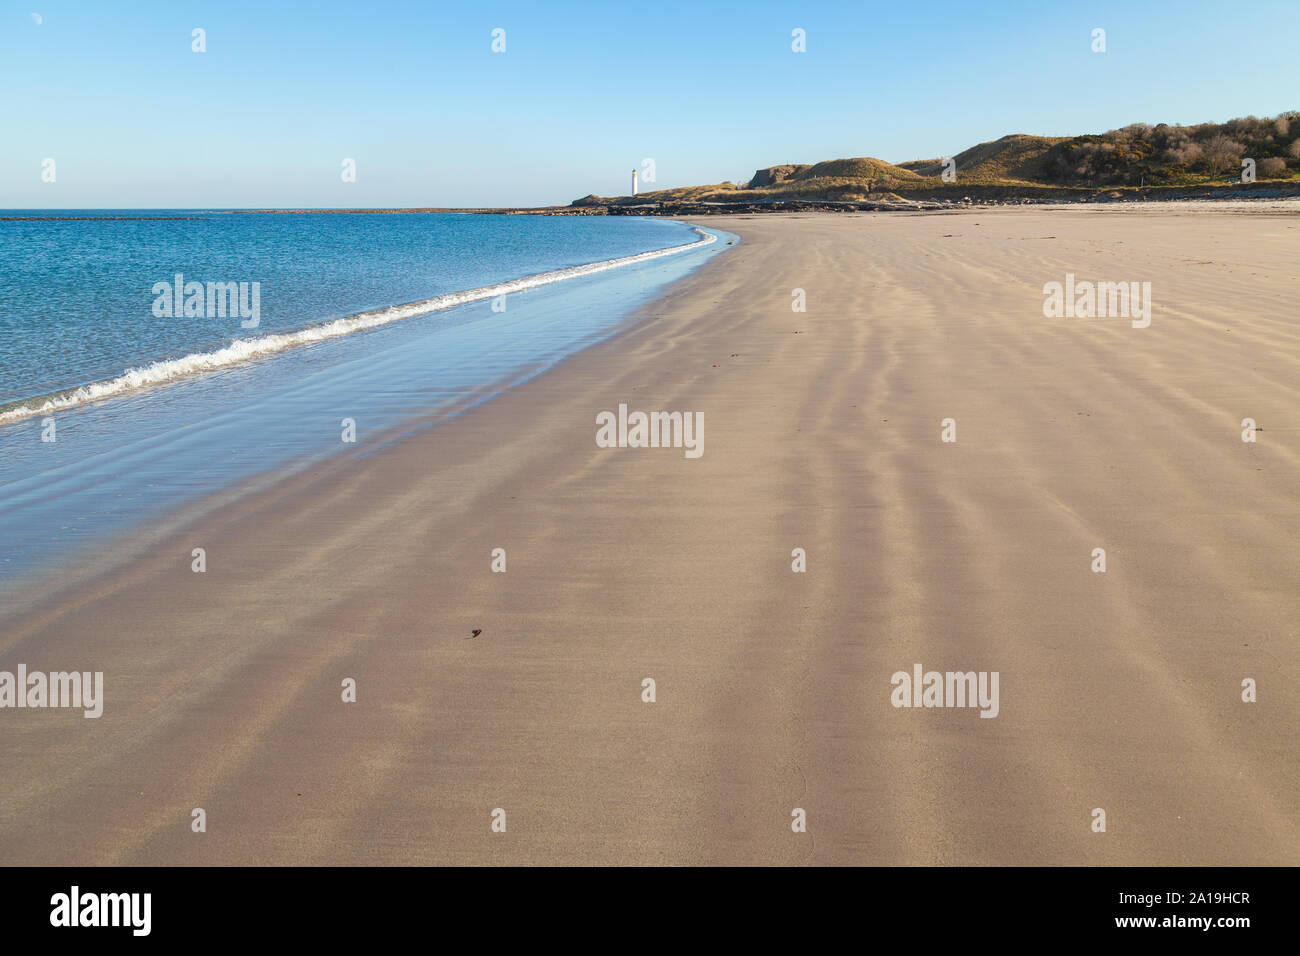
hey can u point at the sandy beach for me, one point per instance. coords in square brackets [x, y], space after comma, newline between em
[1119, 691]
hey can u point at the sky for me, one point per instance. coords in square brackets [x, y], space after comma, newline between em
[412, 92]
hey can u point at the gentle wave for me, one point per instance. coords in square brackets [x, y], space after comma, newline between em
[243, 350]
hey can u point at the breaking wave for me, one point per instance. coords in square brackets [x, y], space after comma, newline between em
[243, 350]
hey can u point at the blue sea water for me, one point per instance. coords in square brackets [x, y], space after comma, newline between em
[77, 307]
[76, 300]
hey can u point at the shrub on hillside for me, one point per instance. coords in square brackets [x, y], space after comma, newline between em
[1222, 152]
[1272, 168]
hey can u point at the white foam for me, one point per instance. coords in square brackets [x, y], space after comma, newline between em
[243, 350]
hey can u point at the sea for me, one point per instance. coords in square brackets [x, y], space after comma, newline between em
[153, 360]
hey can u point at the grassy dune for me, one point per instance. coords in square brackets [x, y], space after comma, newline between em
[1138, 156]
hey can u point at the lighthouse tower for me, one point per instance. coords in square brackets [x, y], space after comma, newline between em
[634, 182]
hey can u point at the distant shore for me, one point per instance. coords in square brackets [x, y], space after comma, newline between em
[952, 199]
[941, 198]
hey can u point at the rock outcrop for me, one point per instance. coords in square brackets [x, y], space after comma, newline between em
[773, 175]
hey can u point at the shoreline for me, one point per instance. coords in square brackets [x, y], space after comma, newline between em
[249, 349]
[222, 688]
[973, 196]
[84, 566]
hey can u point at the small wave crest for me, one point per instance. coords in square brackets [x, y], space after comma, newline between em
[243, 350]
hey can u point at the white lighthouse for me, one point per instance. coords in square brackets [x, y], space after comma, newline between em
[634, 182]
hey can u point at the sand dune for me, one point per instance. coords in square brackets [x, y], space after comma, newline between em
[1118, 690]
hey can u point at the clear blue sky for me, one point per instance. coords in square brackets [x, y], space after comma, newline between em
[585, 91]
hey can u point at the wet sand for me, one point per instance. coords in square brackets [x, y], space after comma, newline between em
[1119, 690]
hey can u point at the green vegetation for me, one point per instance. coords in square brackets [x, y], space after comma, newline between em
[1138, 155]
[1179, 155]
